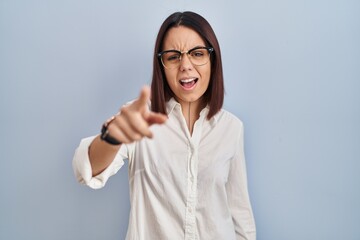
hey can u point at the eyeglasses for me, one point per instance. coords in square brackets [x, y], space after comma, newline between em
[198, 56]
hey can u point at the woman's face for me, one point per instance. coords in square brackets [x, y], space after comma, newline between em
[187, 81]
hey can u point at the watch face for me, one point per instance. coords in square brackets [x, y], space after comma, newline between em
[104, 131]
[105, 134]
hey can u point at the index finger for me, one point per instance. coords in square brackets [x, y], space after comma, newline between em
[144, 96]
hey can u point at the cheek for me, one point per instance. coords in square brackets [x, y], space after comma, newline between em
[170, 77]
[206, 74]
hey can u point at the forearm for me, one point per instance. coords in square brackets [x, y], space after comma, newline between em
[131, 124]
[101, 154]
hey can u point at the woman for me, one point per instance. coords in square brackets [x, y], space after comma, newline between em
[187, 172]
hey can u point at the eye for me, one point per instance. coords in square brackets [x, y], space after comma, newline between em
[172, 56]
[198, 53]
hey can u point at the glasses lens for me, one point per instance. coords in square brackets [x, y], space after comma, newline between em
[171, 59]
[199, 56]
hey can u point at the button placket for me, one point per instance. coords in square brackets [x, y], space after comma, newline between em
[193, 159]
[190, 222]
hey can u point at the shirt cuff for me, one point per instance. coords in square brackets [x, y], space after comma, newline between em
[82, 166]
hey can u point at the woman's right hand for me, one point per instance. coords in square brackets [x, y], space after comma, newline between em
[133, 121]
[131, 124]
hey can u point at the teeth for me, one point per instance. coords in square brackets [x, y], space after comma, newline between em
[187, 80]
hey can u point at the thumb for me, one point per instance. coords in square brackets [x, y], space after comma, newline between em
[156, 118]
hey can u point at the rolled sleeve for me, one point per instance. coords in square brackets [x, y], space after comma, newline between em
[82, 166]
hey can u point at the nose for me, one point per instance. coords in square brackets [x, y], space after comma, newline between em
[185, 63]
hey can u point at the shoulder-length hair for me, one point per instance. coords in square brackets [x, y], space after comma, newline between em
[160, 90]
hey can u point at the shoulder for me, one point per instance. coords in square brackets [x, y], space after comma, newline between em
[229, 126]
[224, 117]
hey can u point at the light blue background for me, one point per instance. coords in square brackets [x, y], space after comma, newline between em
[292, 74]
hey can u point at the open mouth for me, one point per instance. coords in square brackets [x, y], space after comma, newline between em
[189, 82]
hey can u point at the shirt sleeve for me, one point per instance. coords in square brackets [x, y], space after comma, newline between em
[238, 196]
[82, 166]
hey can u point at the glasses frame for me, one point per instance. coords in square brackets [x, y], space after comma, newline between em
[160, 54]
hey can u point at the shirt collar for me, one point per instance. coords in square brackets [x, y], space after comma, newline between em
[172, 103]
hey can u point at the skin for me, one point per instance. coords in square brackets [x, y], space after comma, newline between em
[182, 38]
[130, 125]
[134, 120]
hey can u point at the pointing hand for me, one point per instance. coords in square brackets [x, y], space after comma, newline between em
[133, 121]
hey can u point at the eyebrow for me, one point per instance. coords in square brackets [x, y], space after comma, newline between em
[198, 46]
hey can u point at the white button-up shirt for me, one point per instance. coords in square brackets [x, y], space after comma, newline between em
[183, 186]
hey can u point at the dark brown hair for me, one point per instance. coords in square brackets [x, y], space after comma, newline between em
[160, 90]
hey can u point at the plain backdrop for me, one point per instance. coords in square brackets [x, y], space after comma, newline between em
[292, 74]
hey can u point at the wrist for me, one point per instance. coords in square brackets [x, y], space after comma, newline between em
[105, 135]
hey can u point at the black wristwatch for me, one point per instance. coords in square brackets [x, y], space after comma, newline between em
[105, 136]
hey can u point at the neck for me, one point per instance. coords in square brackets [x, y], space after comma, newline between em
[191, 112]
